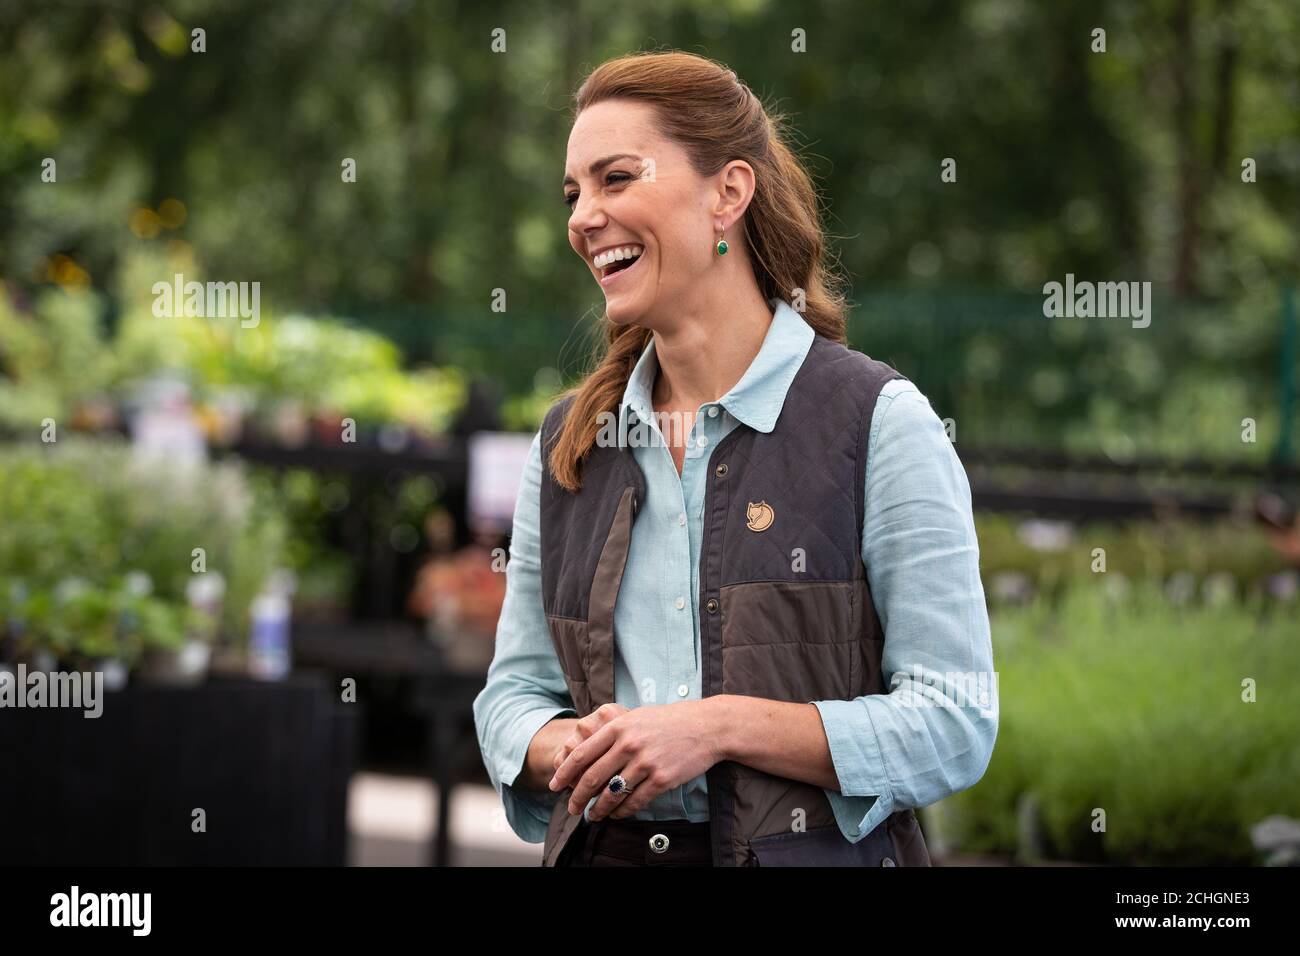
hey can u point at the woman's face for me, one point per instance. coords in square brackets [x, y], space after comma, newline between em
[648, 200]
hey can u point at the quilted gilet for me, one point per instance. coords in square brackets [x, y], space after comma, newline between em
[785, 608]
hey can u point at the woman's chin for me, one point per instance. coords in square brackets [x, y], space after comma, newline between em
[622, 309]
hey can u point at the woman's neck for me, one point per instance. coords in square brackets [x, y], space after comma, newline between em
[707, 350]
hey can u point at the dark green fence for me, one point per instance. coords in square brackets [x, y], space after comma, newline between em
[1209, 380]
[1205, 380]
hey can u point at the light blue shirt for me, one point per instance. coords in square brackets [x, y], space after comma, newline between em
[930, 736]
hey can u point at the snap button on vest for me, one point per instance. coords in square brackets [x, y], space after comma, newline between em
[888, 861]
[712, 606]
[659, 843]
[721, 470]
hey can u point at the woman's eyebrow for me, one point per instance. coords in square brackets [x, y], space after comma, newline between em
[600, 164]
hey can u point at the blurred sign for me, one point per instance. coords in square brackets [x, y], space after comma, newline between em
[496, 465]
[163, 424]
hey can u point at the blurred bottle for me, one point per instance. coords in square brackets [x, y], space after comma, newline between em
[268, 646]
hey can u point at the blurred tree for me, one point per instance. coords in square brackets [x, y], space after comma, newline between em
[1123, 164]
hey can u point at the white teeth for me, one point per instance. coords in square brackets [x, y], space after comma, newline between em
[616, 255]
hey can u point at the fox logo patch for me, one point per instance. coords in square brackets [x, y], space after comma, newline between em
[759, 516]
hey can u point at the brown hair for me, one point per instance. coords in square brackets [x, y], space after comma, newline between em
[704, 107]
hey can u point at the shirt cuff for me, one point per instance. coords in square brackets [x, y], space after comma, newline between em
[527, 811]
[865, 798]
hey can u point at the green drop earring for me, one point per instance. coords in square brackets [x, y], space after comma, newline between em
[722, 246]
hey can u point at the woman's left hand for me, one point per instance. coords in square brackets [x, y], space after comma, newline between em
[655, 747]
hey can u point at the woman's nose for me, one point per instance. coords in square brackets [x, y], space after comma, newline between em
[586, 216]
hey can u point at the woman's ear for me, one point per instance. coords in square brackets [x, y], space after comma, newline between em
[736, 182]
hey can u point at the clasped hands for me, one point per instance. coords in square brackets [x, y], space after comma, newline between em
[655, 747]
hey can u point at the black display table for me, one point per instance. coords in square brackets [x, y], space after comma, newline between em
[268, 762]
[439, 694]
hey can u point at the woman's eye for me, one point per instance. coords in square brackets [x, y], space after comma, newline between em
[571, 198]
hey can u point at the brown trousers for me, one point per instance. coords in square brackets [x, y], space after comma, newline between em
[632, 842]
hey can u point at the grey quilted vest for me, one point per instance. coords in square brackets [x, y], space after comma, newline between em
[770, 625]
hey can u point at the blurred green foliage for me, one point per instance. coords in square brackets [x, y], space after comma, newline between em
[1134, 706]
[58, 355]
[1009, 378]
[84, 624]
[1068, 160]
[1122, 165]
[1180, 556]
[86, 510]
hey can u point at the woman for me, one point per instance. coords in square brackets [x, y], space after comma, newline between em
[731, 531]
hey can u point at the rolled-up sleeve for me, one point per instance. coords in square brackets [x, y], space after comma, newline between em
[525, 685]
[932, 734]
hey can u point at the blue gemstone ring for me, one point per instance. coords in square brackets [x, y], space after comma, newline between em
[618, 785]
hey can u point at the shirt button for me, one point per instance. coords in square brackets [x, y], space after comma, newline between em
[681, 518]
[682, 690]
[713, 411]
[887, 862]
[702, 440]
[681, 603]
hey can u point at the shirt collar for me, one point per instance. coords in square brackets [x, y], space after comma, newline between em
[756, 400]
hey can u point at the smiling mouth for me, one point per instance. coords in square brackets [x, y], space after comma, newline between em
[613, 270]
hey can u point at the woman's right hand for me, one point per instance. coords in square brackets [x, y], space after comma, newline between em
[584, 728]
